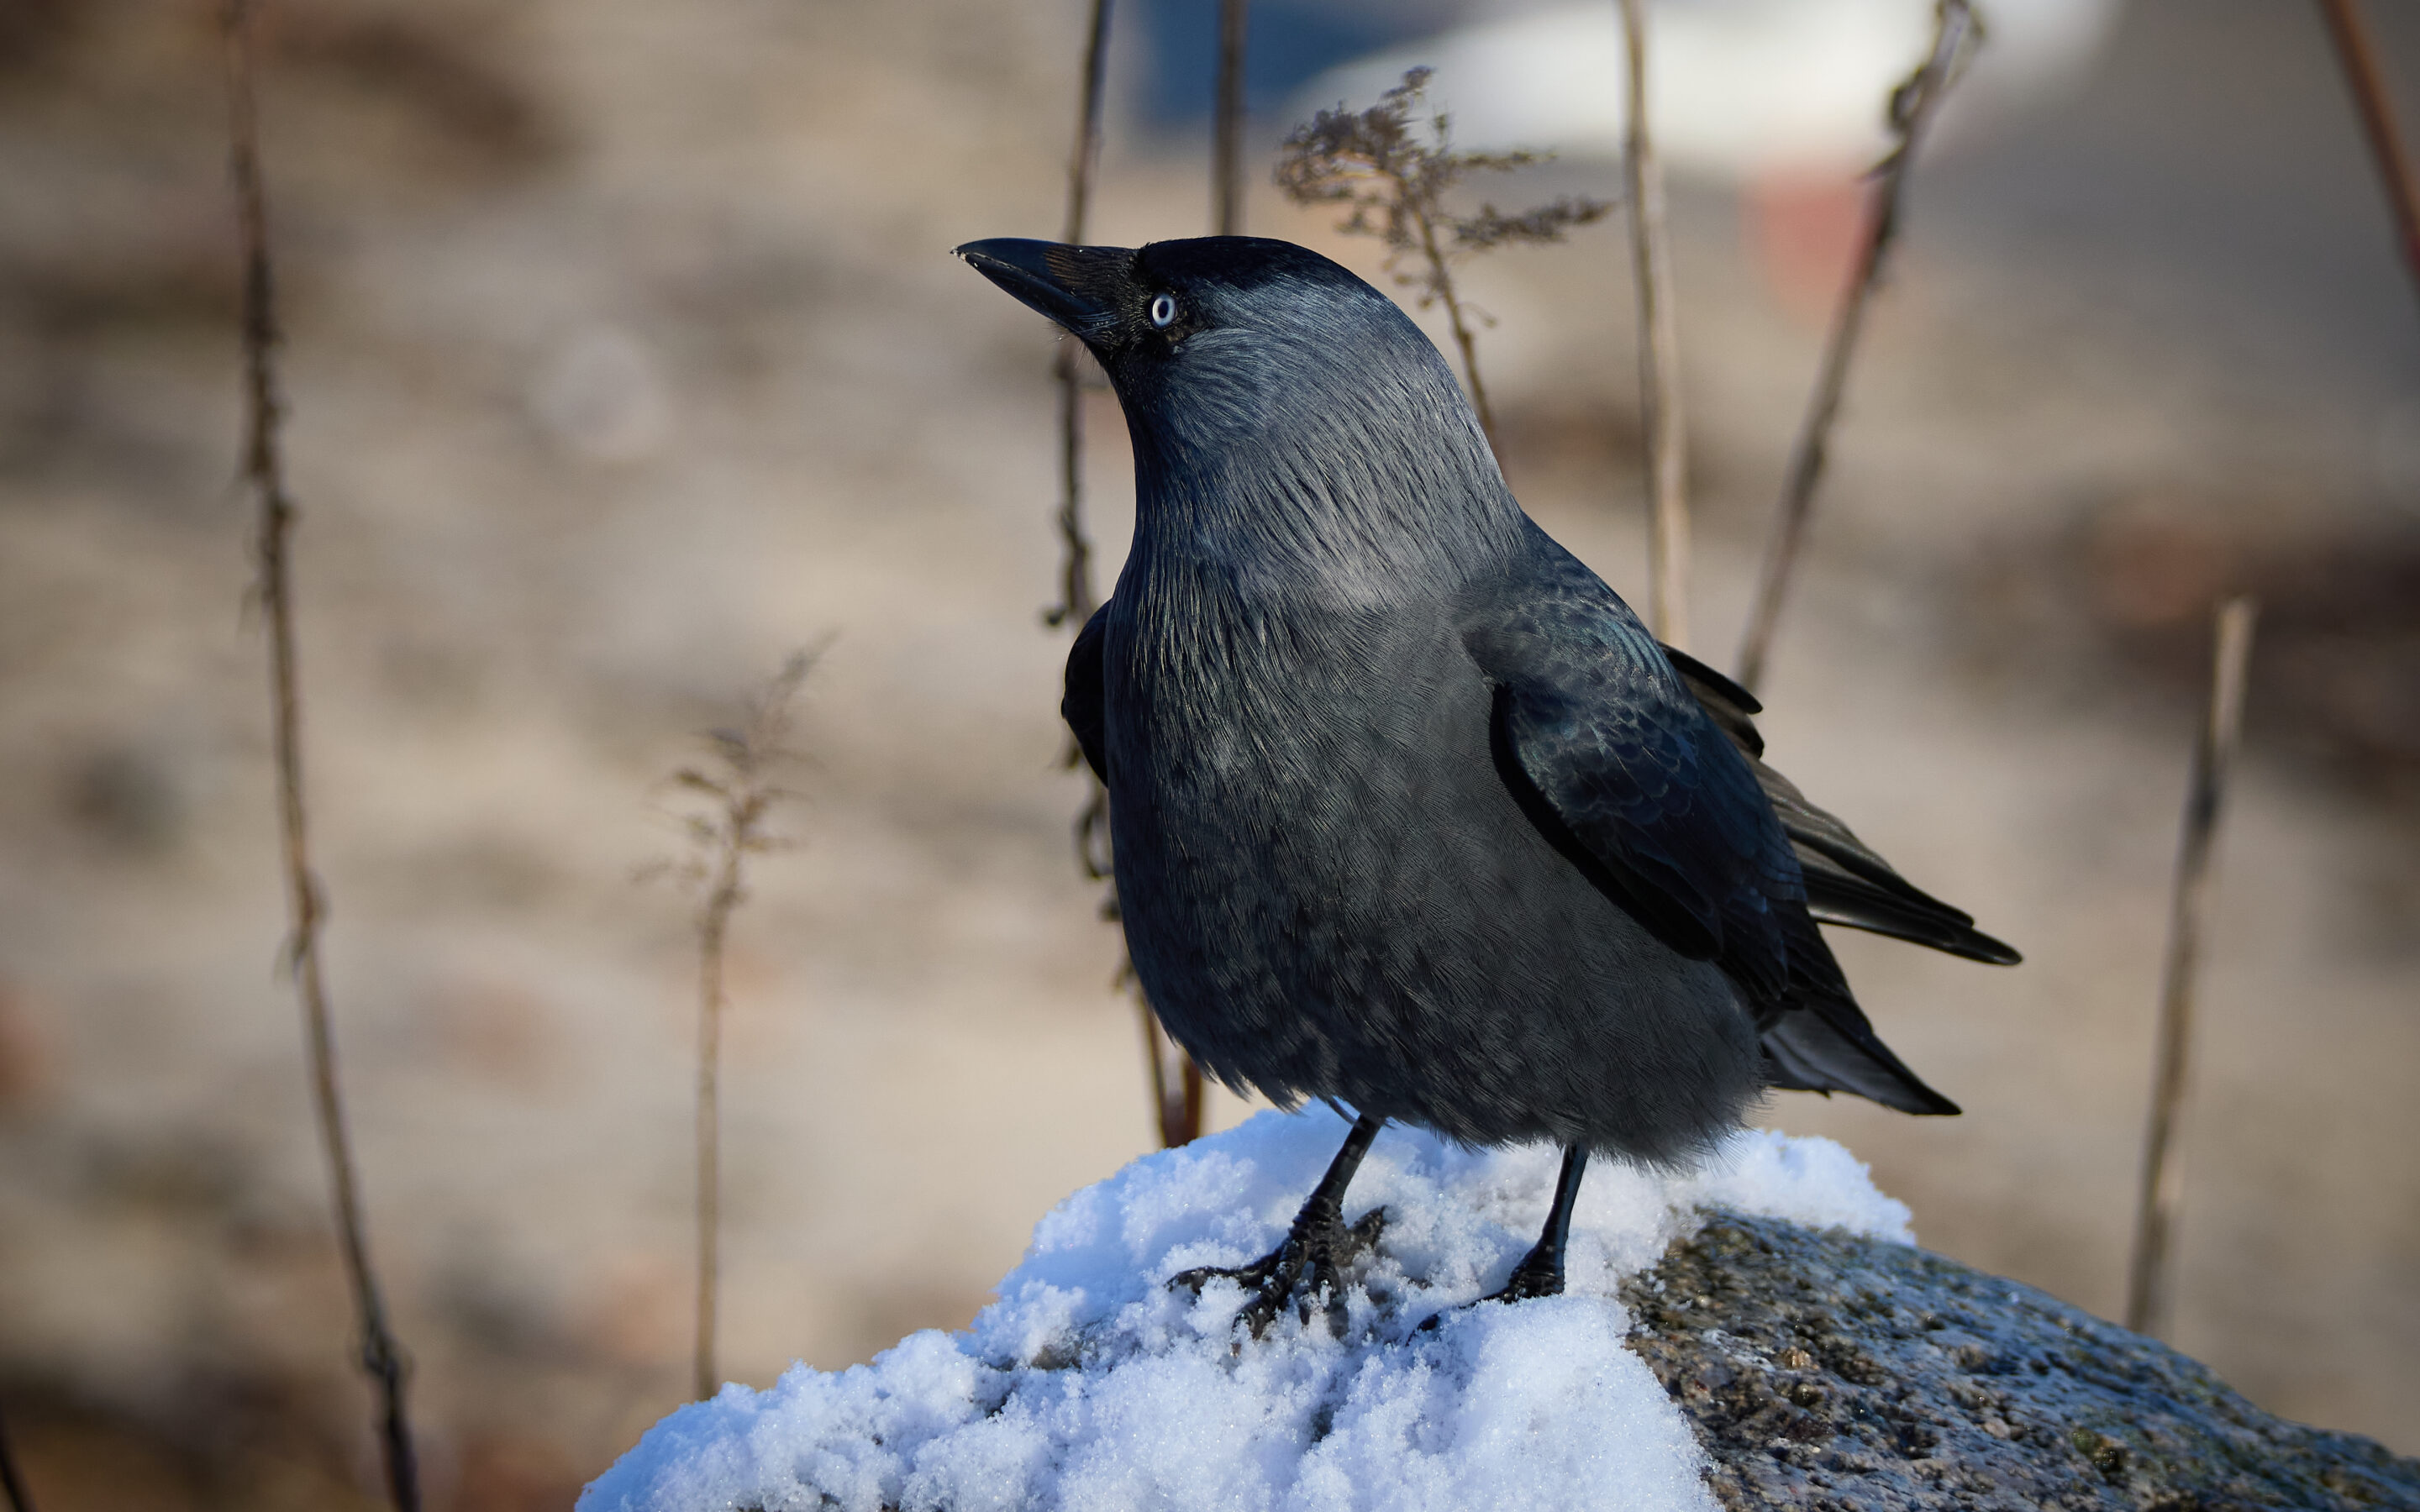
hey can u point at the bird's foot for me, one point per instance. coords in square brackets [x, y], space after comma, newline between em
[1536, 1275]
[1310, 1265]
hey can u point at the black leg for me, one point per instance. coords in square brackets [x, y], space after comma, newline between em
[1541, 1271]
[1315, 1247]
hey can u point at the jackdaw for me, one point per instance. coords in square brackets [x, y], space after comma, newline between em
[1410, 813]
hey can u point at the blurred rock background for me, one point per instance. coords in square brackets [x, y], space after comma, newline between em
[625, 356]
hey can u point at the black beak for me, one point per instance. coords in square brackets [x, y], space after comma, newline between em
[1077, 286]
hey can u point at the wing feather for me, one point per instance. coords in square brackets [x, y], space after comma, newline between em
[1847, 883]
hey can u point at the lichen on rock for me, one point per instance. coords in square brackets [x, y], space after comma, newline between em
[1824, 1370]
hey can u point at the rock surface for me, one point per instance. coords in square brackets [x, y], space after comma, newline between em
[1833, 1372]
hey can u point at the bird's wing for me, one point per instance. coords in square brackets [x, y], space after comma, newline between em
[1658, 801]
[1846, 882]
[1617, 765]
[1729, 705]
[1081, 703]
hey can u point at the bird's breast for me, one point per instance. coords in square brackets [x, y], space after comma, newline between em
[1280, 728]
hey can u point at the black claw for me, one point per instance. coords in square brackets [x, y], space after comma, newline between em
[1307, 1266]
[1533, 1278]
[1536, 1275]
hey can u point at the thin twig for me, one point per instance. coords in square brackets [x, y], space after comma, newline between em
[2351, 34]
[1393, 165]
[264, 469]
[1179, 1105]
[1227, 167]
[11, 1484]
[1176, 1082]
[741, 794]
[1076, 601]
[1955, 32]
[714, 923]
[2148, 1283]
[1186, 1125]
[1659, 355]
[1155, 1050]
[1441, 279]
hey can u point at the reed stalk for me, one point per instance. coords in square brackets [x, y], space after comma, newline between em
[1912, 104]
[2150, 1282]
[264, 469]
[2350, 30]
[1659, 353]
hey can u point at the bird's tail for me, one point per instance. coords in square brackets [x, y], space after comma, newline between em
[1820, 1041]
[1805, 1051]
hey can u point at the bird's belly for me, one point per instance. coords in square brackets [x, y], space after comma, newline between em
[1329, 892]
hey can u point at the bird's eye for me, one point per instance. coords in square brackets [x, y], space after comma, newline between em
[1163, 311]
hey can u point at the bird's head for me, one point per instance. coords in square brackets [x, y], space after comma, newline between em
[1244, 353]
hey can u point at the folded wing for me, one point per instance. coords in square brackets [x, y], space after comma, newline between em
[1660, 801]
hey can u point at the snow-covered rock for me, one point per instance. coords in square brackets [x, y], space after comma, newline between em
[1090, 1384]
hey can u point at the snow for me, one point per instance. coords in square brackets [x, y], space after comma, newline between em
[1090, 1384]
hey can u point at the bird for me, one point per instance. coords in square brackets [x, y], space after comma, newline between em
[1409, 812]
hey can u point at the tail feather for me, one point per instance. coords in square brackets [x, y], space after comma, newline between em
[1847, 883]
[1805, 1050]
[1816, 1038]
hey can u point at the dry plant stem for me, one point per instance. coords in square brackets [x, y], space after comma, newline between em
[1176, 1084]
[1393, 164]
[1659, 365]
[2351, 31]
[264, 469]
[1180, 1107]
[714, 927]
[1184, 1125]
[12, 1485]
[1912, 110]
[1442, 275]
[1154, 1054]
[1076, 601]
[1086, 159]
[1227, 167]
[2148, 1283]
[1189, 1106]
[744, 794]
[1178, 1103]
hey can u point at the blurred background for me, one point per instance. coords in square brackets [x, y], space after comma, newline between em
[626, 355]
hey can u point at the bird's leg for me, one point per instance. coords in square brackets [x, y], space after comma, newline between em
[1314, 1250]
[1541, 1271]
